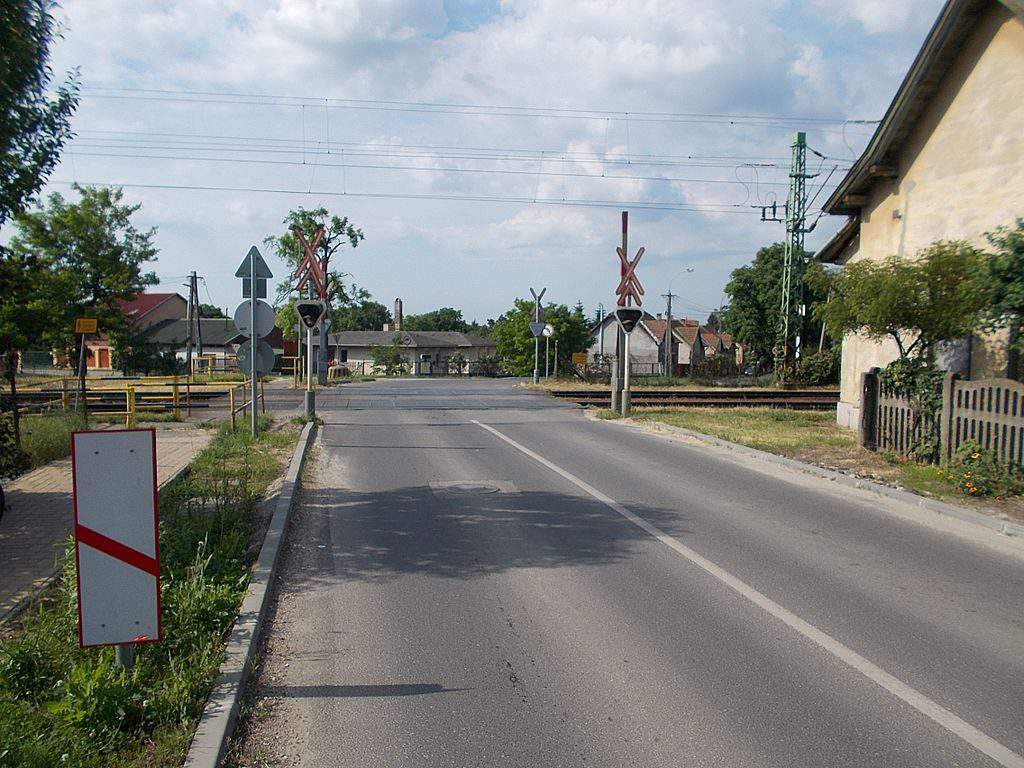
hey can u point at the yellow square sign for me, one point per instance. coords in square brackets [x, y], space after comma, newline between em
[85, 325]
[579, 358]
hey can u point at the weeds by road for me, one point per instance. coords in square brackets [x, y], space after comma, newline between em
[814, 437]
[61, 705]
[46, 438]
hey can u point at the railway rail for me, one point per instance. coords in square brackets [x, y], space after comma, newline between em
[807, 400]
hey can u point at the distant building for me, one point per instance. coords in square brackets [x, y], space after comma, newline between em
[426, 352]
[692, 343]
[945, 163]
[221, 339]
[142, 312]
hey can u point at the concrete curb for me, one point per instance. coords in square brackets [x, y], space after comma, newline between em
[1004, 527]
[220, 715]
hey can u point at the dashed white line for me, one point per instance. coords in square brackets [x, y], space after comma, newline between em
[939, 714]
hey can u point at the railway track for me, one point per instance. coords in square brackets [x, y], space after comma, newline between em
[806, 400]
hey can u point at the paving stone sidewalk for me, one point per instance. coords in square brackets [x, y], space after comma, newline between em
[38, 519]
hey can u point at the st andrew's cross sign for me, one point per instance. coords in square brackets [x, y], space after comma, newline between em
[310, 269]
[629, 285]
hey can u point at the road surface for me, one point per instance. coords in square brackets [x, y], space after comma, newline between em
[478, 575]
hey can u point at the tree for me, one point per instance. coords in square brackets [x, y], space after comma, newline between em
[388, 358]
[94, 256]
[33, 130]
[915, 302]
[516, 343]
[338, 231]
[755, 298]
[443, 319]
[33, 127]
[209, 310]
[1003, 285]
[363, 316]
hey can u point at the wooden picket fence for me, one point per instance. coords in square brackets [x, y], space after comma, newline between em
[989, 412]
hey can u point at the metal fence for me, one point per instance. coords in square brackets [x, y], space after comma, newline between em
[989, 412]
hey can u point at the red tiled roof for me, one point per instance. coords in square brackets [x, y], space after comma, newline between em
[143, 304]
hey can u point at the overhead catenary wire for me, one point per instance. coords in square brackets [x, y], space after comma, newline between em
[653, 205]
[158, 94]
[427, 168]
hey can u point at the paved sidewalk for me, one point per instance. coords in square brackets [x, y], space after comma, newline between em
[38, 519]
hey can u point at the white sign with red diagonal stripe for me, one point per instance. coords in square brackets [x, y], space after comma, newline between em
[116, 549]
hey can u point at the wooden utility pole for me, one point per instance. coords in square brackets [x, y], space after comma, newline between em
[669, 361]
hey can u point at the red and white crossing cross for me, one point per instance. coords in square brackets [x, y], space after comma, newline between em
[629, 285]
[311, 268]
[116, 545]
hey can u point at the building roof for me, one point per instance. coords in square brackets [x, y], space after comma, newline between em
[143, 303]
[452, 339]
[833, 250]
[656, 327]
[216, 331]
[955, 22]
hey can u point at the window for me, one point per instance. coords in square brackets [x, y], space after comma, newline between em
[342, 355]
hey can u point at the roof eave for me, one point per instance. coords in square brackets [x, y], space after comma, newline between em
[874, 163]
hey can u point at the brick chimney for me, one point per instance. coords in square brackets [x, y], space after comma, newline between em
[398, 315]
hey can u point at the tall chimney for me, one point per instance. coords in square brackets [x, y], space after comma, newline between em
[398, 314]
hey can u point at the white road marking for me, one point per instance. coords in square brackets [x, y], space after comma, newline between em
[955, 725]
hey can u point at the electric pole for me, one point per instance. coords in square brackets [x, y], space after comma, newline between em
[791, 311]
[192, 320]
[669, 367]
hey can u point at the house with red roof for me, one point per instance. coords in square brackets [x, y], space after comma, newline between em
[141, 312]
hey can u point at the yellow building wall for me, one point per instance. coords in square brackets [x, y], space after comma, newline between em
[961, 174]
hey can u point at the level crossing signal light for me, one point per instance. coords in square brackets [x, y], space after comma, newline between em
[628, 317]
[310, 311]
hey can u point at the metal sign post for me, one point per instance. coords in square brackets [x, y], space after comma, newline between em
[252, 270]
[628, 291]
[116, 547]
[628, 319]
[311, 312]
[548, 330]
[83, 327]
[536, 327]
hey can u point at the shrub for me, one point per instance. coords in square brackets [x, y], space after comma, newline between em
[13, 460]
[977, 472]
[819, 368]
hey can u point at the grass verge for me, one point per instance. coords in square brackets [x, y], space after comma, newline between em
[47, 437]
[814, 437]
[62, 705]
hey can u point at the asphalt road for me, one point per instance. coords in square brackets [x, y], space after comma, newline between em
[480, 576]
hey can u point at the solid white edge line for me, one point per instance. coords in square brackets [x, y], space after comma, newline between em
[939, 714]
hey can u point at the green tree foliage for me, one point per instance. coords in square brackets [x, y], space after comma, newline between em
[209, 310]
[364, 315]
[33, 128]
[1003, 284]
[915, 302]
[443, 319]
[94, 256]
[338, 232]
[33, 125]
[755, 295]
[515, 342]
[388, 358]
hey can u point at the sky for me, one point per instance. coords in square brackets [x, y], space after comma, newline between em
[483, 147]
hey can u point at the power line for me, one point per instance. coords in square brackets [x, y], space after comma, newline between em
[158, 94]
[650, 205]
[511, 152]
[435, 169]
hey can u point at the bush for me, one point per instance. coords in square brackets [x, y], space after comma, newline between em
[819, 369]
[13, 460]
[977, 472]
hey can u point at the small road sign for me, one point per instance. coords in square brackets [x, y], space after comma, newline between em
[86, 325]
[310, 268]
[310, 311]
[537, 329]
[116, 549]
[548, 330]
[628, 317]
[259, 266]
[263, 314]
[579, 358]
[264, 357]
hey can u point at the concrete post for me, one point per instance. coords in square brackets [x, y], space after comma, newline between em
[946, 419]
